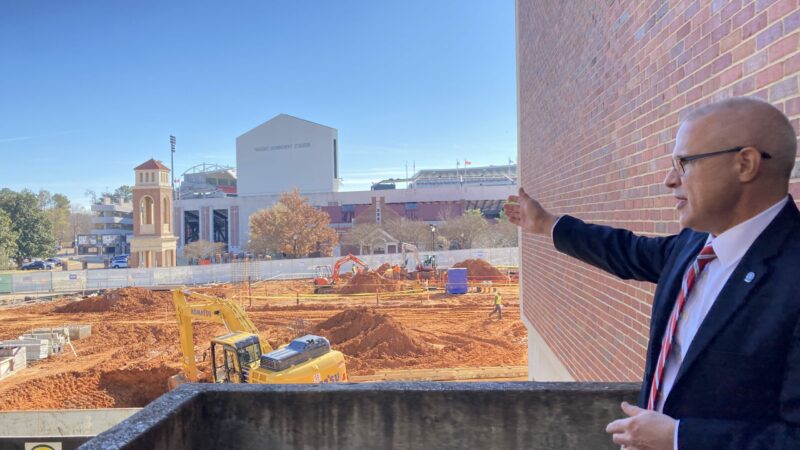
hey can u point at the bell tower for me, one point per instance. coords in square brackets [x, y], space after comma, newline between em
[153, 243]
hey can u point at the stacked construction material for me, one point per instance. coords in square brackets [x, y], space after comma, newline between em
[55, 340]
[78, 331]
[12, 359]
[35, 349]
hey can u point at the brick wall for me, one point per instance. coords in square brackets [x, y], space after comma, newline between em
[603, 85]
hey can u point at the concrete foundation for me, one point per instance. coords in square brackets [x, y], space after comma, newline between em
[380, 415]
[68, 428]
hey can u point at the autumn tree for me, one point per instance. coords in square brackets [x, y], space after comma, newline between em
[292, 227]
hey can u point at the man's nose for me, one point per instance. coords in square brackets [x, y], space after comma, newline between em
[673, 179]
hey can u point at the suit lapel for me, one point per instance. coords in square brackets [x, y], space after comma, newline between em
[741, 284]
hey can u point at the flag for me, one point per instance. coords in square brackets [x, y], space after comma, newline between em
[467, 162]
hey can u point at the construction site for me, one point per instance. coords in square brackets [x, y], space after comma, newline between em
[122, 347]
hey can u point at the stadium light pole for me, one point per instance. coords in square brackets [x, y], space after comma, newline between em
[172, 141]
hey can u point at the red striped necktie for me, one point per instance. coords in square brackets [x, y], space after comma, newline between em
[706, 256]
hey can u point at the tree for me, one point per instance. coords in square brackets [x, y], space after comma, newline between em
[291, 227]
[202, 249]
[57, 210]
[80, 220]
[123, 193]
[33, 229]
[414, 232]
[464, 230]
[8, 241]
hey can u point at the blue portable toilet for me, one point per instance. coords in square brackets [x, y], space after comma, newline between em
[456, 281]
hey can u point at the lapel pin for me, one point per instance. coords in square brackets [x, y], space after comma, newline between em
[749, 277]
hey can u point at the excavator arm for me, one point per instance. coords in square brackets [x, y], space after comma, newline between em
[338, 265]
[207, 309]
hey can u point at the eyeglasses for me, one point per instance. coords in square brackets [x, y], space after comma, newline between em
[680, 166]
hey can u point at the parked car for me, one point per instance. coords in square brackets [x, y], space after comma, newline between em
[54, 261]
[120, 262]
[37, 265]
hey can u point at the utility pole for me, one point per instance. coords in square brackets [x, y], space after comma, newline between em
[172, 164]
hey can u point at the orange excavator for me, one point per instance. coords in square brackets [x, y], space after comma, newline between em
[325, 278]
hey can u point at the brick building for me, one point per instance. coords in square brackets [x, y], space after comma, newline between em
[602, 87]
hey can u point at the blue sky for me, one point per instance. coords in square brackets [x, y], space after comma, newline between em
[90, 89]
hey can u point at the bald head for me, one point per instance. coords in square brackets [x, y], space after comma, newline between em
[746, 121]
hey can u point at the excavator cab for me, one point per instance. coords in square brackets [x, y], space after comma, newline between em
[233, 356]
[429, 263]
[323, 280]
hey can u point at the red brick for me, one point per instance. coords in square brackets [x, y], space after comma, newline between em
[791, 22]
[755, 63]
[732, 74]
[730, 41]
[769, 35]
[792, 65]
[783, 47]
[626, 108]
[744, 50]
[763, 4]
[741, 17]
[783, 89]
[754, 26]
[780, 9]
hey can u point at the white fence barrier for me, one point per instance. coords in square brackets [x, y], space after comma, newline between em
[77, 280]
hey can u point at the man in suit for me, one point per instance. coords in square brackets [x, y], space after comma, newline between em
[723, 361]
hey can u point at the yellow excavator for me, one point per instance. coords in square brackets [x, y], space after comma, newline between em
[242, 355]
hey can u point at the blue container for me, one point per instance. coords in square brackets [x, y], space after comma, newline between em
[456, 281]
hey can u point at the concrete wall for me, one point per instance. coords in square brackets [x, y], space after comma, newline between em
[376, 415]
[602, 87]
[283, 153]
[71, 428]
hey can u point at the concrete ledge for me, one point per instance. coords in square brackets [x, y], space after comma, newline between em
[376, 415]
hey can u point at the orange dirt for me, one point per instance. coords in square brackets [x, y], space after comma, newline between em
[369, 282]
[478, 269]
[134, 349]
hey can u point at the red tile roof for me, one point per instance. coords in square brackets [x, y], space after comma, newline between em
[152, 164]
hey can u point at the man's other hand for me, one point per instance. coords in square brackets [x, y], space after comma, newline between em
[527, 213]
[643, 429]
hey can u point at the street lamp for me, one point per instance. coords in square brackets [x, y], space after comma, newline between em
[462, 240]
[433, 237]
[294, 240]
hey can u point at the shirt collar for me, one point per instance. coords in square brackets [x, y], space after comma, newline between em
[731, 245]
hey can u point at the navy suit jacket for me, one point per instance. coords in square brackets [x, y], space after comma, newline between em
[739, 384]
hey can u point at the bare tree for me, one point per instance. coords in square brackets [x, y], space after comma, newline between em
[463, 231]
[202, 249]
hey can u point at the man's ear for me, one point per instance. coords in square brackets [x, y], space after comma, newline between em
[749, 163]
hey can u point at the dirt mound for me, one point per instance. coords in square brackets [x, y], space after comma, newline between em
[365, 333]
[478, 269]
[119, 300]
[366, 282]
[383, 268]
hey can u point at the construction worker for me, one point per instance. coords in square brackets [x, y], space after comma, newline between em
[353, 268]
[498, 305]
